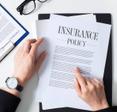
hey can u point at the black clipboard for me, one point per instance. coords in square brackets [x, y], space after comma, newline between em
[102, 18]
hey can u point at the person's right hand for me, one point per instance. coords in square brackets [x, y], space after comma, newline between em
[91, 91]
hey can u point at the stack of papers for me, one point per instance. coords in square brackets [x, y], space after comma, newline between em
[75, 41]
[11, 32]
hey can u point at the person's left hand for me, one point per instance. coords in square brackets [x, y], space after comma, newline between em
[26, 61]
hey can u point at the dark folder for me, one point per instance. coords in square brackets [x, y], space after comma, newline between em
[102, 18]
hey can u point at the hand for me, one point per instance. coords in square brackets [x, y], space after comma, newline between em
[26, 61]
[91, 91]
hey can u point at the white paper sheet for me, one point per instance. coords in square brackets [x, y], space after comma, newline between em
[67, 52]
[85, 18]
[42, 27]
[10, 30]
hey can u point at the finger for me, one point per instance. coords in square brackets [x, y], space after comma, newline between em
[98, 82]
[27, 45]
[89, 81]
[80, 78]
[77, 87]
[91, 84]
[35, 45]
[40, 60]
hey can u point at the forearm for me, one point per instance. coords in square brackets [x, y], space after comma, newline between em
[13, 92]
[25, 65]
[8, 101]
[9, 98]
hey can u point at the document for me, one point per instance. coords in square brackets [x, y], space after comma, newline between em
[71, 43]
[85, 18]
[42, 27]
[10, 32]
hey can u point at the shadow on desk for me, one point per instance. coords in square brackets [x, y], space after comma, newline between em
[28, 96]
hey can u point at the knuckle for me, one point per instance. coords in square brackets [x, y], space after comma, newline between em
[102, 86]
[85, 90]
[31, 56]
[98, 86]
[92, 87]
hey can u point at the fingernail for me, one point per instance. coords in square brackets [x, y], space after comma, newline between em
[44, 52]
[78, 69]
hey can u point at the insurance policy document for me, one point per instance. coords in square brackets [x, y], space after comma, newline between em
[71, 44]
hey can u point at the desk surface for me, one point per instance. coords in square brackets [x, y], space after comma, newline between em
[28, 103]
